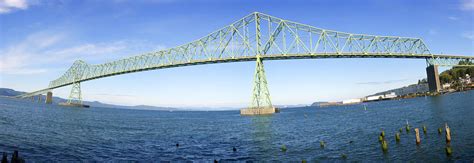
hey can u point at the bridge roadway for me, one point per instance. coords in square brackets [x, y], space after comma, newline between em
[271, 57]
[270, 38]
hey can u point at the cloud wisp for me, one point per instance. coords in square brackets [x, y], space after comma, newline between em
[433, 32]
[453, 18]
[7, 6]
[108, 95]
[467, 5]
[17, 58]
[381, 82]
[468, 35]
[41, 51]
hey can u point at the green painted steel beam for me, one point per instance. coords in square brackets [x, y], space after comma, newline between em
[262, 35]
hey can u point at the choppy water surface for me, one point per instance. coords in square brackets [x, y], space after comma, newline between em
[51, 133]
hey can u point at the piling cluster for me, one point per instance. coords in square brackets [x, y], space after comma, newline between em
[15, 158]
[448, 148]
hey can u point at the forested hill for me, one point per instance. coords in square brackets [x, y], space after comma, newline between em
[452, 75]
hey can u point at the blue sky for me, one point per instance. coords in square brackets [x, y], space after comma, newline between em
[39, 40]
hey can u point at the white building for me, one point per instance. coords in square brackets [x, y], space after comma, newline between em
[376, 97]
[390, 95]
[352, 101]
[446, 85]
[380, 97]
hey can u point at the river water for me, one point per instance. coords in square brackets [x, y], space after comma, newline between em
[52, 133]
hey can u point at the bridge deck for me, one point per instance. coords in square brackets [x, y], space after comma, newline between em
[269, 37]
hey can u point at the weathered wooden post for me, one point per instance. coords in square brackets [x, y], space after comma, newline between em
[283, 148]
[4, 158]
[384, 146]
[417, 132]
[448, 133]
[397, 137]
[407, 127]
[343, 156]
[449, 150]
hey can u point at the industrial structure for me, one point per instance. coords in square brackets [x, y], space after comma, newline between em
[259, 37]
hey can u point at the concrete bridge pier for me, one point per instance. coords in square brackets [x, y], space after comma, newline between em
[433, 78]
[49, 98]
[260, 103]
[39, 98]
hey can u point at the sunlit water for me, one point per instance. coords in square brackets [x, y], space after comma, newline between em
[51, 133]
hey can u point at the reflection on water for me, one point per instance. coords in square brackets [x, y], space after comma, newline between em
[51, 133]
[262, 135]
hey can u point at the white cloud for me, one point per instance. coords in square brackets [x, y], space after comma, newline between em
[453, 18]
[87, 51]
[40, 51]
[7, 6]
[467, 5]
[468, 35]
[16, 58]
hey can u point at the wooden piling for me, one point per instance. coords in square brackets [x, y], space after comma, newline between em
[344, 156]
[283, 148]
[397, 137]
[449, 150]
[448, 133]
[417, 132]
[384, 146]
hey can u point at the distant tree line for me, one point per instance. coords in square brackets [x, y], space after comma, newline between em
[452, 75]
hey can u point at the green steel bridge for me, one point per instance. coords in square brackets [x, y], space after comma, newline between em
[258, 37]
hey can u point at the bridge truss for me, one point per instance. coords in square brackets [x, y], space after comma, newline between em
[257, 37]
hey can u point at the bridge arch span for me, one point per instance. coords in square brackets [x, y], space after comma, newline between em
[258, 37]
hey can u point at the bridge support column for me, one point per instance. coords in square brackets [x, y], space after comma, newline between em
[433, 78]
[39, 98]
[75, 98]
[260, 103]
[49, 98]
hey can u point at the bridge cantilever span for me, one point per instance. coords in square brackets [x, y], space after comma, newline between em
[257, 37]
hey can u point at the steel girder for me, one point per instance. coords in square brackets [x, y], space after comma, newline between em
[258, 34]
[441, 60]
[260, 95]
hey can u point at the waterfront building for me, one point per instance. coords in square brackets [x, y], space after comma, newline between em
[352, 101]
